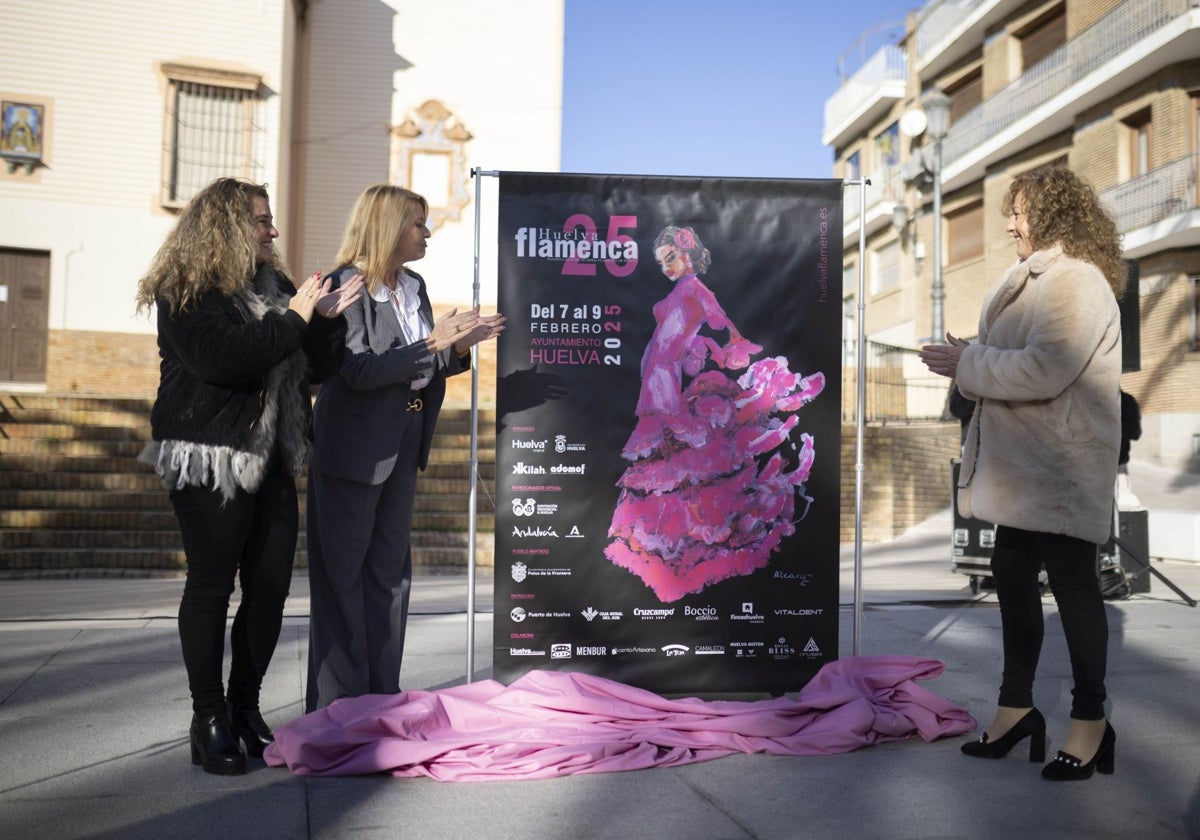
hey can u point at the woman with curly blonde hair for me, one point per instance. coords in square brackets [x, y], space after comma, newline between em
[1040, 457]
[239, 346]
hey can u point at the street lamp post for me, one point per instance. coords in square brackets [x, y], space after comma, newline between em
[936, 106]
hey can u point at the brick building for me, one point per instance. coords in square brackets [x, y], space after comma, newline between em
[1109, 87]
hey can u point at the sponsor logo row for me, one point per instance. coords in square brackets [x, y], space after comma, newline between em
[780, 650]
[539, 446]
[520, 571]
[696, 613]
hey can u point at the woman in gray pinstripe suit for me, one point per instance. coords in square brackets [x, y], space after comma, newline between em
[373, 424]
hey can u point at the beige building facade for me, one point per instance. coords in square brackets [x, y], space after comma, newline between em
[1108, 87]
[115, 113]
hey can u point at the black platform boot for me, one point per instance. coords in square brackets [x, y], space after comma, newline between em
[248, 726]
[215, 747]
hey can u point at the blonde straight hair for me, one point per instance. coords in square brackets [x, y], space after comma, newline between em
[380, 215]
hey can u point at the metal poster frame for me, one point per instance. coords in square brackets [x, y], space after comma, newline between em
[860, 399]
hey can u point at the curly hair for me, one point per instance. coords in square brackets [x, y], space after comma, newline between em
[213, 247]
[686, 240]
[380, 215]
[1062, 208]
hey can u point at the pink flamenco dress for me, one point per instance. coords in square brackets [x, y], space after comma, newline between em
[709, 493]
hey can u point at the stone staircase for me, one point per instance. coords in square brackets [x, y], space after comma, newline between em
[74, 499]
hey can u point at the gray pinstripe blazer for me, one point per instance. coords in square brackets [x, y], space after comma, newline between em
[356, 428]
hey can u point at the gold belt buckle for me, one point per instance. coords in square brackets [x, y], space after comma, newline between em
[415, 404]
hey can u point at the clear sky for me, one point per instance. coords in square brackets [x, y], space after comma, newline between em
[700, 87]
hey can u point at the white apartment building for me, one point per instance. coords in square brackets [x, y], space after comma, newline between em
[115, 113]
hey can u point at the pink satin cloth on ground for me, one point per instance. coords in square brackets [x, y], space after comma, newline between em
[555, 723]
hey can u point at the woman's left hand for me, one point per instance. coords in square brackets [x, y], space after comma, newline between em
[331, 304]
[487, 327]
[942, 359]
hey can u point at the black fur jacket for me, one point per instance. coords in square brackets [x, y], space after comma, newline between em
[234, 381]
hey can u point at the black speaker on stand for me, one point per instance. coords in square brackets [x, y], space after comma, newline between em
[1131, 557]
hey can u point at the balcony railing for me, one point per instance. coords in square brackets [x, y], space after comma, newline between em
[1157, 195]
[1127, 24]
[888, 65]
[899, 388]
[886, 185]
[939, 17]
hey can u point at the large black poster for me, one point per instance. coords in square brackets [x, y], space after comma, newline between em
[668, 420]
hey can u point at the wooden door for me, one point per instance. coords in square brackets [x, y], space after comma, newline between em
[24, 314]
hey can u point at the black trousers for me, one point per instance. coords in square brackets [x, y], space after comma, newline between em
[360, 577]
[253, 536]
[1070, 565]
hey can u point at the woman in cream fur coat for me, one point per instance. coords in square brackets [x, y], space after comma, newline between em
[1040, 458]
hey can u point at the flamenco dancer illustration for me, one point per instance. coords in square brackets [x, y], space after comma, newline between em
[711, 488]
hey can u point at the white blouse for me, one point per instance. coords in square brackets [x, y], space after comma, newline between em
[406, 303]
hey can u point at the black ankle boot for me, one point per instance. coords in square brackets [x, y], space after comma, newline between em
[1032, 726]
[215, 747]
[249, 726]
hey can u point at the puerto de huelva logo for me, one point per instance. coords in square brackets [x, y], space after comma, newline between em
[583, 243]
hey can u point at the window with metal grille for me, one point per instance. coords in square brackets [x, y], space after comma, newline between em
[213, 129]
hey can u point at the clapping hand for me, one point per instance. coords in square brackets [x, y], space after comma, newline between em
[486, 327]
[463, 330]
[942, 359]
[331, 304]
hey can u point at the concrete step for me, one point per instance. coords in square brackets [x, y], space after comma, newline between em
[73, 494]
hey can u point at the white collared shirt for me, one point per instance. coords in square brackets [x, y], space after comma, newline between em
[406, 303]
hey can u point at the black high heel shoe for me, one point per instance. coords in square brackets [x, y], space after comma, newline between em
[1067, 768]
[248, 726]
[215, 747]
[1032, 726]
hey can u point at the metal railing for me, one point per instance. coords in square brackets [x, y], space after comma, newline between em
[887, 184]
[1125, 26]
[937, 18]
[889, 64]
[1164, 192]
[899, 389]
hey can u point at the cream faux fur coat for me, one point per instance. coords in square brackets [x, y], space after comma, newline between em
[1041, 450]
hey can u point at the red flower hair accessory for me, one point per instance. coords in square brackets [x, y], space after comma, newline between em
[685, 239]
